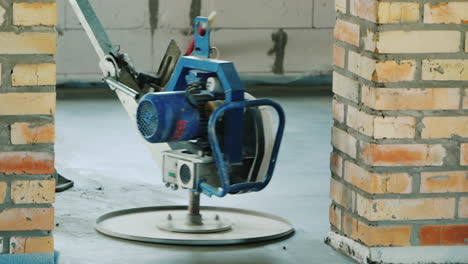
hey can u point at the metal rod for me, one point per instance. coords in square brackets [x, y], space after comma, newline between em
[115, 85]
[193, 216]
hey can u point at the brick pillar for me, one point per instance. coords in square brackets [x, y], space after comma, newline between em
[400, 161]
[27, 107]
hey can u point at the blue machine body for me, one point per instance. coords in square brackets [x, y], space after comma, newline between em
[166, 117]
[167, 108]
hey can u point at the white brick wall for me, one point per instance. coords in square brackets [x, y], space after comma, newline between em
[243, 34]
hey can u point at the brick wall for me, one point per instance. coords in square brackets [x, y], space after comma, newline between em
[244, 28]
[27, 106]
[400, 135]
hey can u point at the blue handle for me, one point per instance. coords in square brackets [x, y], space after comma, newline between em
[226, 186]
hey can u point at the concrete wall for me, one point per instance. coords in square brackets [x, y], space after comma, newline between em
[243, 34]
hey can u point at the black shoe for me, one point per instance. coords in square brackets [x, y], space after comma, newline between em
[62, 183]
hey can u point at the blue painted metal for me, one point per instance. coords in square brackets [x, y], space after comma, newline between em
[39, 258]
[226, 186]
[166, 117]
[233, 89]
[158, 113]
[202, 41]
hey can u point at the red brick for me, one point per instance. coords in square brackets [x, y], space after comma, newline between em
[339, 56]
[394, 71]
[31, 245]
[336, 164]
[405, 209]
[26, 163]
[464, 154]
[347, 32]
[3, 191]
[445, 126]
[36, 191]
[382, 235]
[403, 155]
[381, 70]
[449, 235]
[23, 219]
[30, 133]
[375, 182]
[411, 98]
[335, 216]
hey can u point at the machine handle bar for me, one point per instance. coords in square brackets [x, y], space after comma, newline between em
[226, 186]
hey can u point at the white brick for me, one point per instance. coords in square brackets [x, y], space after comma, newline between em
[394, 127]
[33, 74]
[254, 59]
[162, 38]
[312, 59]
[324, 14]
[398, 12]
[175, 14]
[27, 103]
[445, 70]
[440, 41]
[137, 43]
[360, 121]
[86, 78]
[338, 111]
[361, 65]
[115, 14]
[62, 6]
[340, 6]
[35, 14]
[446, 12]
[344, 142]
[2, 15]
[28, 43]
[466, 42]
[369, 40]
[345, 87]
[260, 13]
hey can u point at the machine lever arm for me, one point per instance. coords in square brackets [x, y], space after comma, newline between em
[93, 28]
[112, 63]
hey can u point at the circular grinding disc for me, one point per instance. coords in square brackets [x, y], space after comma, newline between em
[141, 224]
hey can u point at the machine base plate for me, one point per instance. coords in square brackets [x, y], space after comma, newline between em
[141, 224]
[178, 222]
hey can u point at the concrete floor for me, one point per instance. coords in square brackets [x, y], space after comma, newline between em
[99, 148]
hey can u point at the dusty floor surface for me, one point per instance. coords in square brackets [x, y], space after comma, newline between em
[99, 148]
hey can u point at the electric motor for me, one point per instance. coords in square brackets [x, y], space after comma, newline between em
[166, 117]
